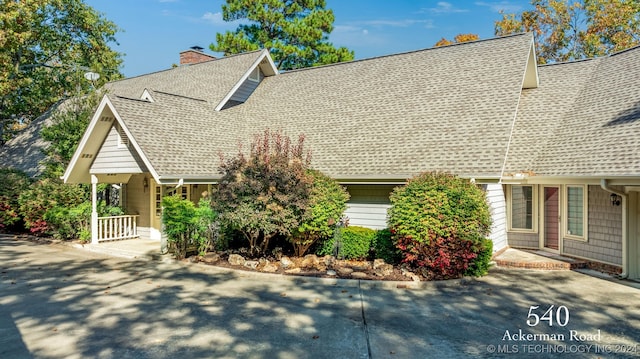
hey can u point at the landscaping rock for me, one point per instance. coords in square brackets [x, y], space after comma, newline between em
[293, 271]
[359, 275]
[251, 264]
[210, 258]
[236, 259]
[414, 277]
[383, 270]
[344, 271]
[362, 267]
[331, 272]
[270, 268]
[285, 262]
[377, 263]
[329, 261]
[310, 261]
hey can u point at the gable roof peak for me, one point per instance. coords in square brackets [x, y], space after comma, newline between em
[267, 67]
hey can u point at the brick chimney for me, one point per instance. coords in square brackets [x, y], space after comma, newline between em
[194, 55]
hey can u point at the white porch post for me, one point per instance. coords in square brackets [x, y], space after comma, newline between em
[94, 209]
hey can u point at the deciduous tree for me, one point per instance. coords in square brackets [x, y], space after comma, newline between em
[295, 31]
[460, 38]
[46, 47]
[567, 30]
[68, 123]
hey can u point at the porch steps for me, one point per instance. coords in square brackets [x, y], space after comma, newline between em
[536, 259]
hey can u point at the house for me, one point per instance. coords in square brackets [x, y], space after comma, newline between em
[555, 147]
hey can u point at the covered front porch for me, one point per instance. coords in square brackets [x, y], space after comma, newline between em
[140, 197]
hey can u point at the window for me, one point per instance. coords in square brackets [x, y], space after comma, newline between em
[522, 208]
[158, 200]
[576, 212]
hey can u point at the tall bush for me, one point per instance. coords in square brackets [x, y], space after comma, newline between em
[12, 183]
[440, 223]
[327, 203]
[267, 193]
[187, 225]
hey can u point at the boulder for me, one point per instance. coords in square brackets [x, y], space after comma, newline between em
[331, 272]
[362, 266]
[270, 268]
[344, 271]
[310, 261]
[414, 277]
[293, 271]
[377, 263]
[210, 258]
[329, 261]
[236, 259]
[359, 275]
[383, 270]
[251, 264]
[285, 262]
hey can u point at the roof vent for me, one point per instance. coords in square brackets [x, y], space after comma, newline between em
[197, 48]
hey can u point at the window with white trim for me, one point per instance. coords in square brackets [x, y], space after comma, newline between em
[522, 216]
[576, 212]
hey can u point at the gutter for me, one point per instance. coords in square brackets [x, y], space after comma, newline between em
[625, 238]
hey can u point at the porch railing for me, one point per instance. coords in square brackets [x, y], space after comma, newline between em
[117, 227]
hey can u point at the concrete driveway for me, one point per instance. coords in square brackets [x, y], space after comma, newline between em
[62, 302]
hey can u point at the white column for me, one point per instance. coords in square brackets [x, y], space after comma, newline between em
[94, 209]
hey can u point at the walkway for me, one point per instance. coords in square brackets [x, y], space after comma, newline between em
[61, 302]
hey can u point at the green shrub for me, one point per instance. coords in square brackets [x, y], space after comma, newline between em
[187, 225]
[327, 203]
[440, 223]
[384, 247]
[47, 195]
[12, 183]
[75, 222]
[349, 243]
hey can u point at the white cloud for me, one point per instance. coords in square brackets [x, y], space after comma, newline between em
[443, 7]
[398, 23]
[497, 6]
[213, 18]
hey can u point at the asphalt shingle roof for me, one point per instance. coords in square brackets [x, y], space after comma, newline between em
[443, 109]
[210, 80]
[583, 120]
[448, 109]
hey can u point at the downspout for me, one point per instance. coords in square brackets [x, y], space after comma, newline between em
[625, 239]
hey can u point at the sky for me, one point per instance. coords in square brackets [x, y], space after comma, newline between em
[153, 32]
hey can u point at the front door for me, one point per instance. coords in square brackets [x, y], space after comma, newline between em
[551, 218]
